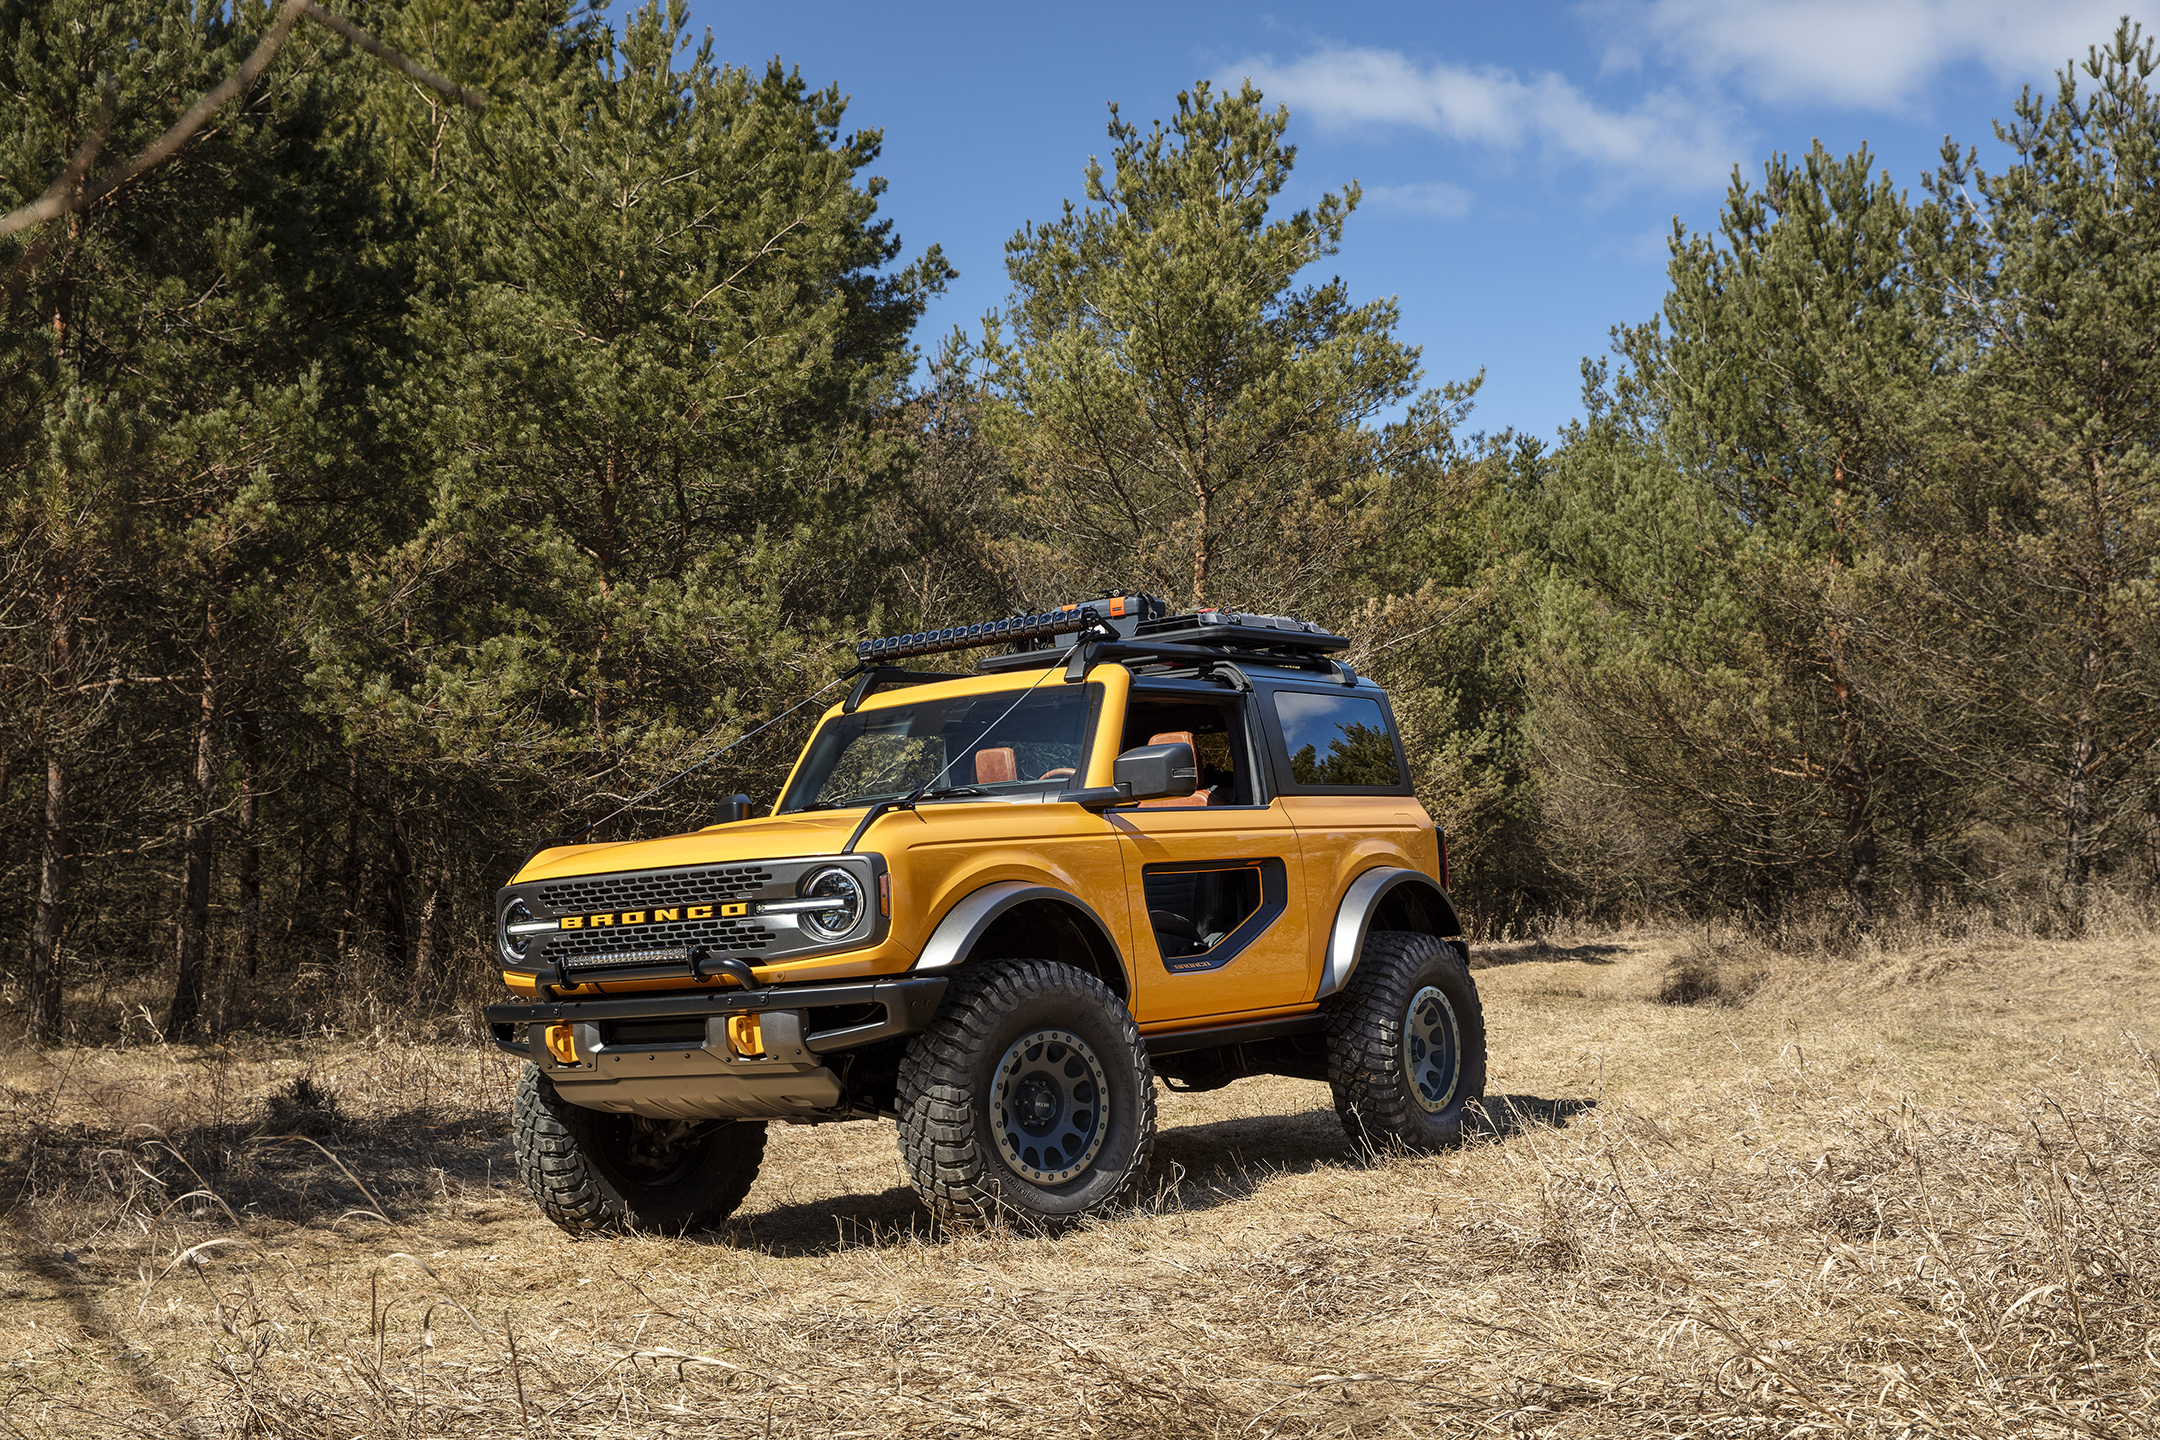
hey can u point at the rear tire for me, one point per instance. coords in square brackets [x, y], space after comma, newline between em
[1029, 1098]
[1406, 1044]
[591, 1170]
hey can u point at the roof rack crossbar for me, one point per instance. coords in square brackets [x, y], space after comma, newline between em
[1212, 655]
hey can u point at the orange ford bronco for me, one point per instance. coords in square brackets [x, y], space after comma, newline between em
[995, 908]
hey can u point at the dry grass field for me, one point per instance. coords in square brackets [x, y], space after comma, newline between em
[1905, 1193]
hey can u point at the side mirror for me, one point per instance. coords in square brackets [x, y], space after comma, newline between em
[1145, 772]
[735, 807]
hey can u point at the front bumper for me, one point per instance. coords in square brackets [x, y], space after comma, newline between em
[668, 1056]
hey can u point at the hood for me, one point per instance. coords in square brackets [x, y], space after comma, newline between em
[774, 838]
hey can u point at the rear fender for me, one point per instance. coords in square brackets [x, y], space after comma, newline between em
[1386, 898]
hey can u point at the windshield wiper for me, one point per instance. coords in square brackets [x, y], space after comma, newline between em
[842, 803]
[944, 793]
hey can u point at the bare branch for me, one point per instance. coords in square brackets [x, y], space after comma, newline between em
[397, 60]
[55, 200]
[67, 195]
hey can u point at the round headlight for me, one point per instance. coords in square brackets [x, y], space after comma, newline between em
[836, 884]
[512, 946]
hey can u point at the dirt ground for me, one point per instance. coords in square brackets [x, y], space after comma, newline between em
[1912, 1193]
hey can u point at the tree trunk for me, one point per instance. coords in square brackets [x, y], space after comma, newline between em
[1201, 560]
[1853, 776]
[349, 864]
[45, 1013]
[51, 922]
[603, 696]
[1923, 863]
[1860, 853]
[247, 949]
[2097, 580]
[189, 971]
[1857, 783]
[2077, 819]
[427, 944]
[395, 903]
[2078, 792]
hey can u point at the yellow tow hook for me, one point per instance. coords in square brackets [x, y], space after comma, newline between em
[562, 1044]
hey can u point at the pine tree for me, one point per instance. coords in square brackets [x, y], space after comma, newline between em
[646, 427]
[183, 399]
[2014, 619]
[1715, 507]
[1180, 412]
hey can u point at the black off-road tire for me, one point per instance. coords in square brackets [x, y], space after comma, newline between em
[580, 1167]
[1379, 1051]
[972, 1078]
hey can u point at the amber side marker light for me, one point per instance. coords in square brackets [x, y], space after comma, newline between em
[562, 1044]
[884, 896]
[746, 1035]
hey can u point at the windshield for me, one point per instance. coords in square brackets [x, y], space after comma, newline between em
[889, 752]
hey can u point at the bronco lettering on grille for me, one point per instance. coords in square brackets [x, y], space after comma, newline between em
[649, 917]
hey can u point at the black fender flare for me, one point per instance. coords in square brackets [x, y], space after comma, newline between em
[1361, 902]
[954, 938]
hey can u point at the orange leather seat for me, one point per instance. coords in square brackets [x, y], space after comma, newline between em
[996, 766]
[1198, 797]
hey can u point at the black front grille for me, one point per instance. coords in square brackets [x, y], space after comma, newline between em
[658, 887]
[656, 944]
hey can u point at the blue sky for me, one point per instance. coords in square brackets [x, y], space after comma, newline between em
[1522, 164]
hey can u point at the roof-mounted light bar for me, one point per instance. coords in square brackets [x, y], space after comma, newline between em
[1016, 630]
[1126, 627]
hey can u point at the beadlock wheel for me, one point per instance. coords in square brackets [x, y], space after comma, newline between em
[1028, 1098]
[1048, 1100]
[1432, 1050]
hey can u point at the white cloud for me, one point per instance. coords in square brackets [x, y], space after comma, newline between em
[1875, 55]
[1665, 137]
[1430, 197]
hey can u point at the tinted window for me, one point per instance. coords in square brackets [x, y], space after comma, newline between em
[1336, 740]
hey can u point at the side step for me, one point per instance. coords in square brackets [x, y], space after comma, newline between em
[1178, 1042]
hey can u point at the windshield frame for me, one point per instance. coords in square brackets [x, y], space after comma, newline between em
[954, 786]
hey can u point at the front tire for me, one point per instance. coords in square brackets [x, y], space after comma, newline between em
[1406, 1044]
[593, 1171]
[1029, 1098]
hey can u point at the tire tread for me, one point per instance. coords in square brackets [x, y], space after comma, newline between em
[943, 1154]
[1364, 1036]
[548, 1136]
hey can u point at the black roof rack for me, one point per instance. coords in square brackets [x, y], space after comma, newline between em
[1126, 627]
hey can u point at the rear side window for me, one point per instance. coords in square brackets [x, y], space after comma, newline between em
[1336, 741]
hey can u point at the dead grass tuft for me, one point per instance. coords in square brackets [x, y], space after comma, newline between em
[1715, 972]
[303, 1106]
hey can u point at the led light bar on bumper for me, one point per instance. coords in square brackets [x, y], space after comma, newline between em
[644, 922]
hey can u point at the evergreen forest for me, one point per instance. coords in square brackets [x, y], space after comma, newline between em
[396, 474]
